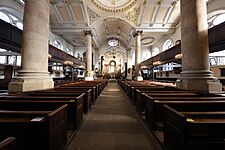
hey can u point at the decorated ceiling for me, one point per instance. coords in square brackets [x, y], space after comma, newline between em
[118, 19]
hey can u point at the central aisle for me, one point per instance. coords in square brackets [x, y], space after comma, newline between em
[113, 124]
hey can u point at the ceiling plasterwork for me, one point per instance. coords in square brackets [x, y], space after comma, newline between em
[114, 5]
[92, 16]
[133, 15]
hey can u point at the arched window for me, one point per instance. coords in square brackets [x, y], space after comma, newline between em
[4, 17]
[216, 19]
[112, 66]
[168, 44]
[57, 44]
[19, 25]
[10, 18]
[69, 51]
[155, 51]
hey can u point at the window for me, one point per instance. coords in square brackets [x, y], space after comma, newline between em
[57, 44]
[4, 17]
[7, 17]
[155, 51]
[19, 25]
[12, 60]
[219, 19]
[216, 20]
[18, 62]
[69, 51]
[168, 44]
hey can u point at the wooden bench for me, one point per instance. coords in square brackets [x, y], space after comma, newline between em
[95, 87]
[154, 107]
[35, 129]
[87, 102]
[74, 109]
[193, 130]
[8, 144]
[65, 88]
[138, 99]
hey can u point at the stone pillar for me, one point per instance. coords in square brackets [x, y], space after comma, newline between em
[138, 54]
[195, 51]
[129, 64]
[34, 73]
[89, 74]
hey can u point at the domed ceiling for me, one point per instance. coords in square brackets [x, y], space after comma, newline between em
[114, 5]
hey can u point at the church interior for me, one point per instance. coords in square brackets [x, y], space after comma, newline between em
[112, 74]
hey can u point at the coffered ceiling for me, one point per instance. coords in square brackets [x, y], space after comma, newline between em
[113, 19]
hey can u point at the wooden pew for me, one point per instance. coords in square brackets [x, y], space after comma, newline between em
[154, 106]
[74, 109]
[139, 102]
[35, 129]
[66, 88]
[8, 144]
[83, 86]
[193, 130]
[87, 102]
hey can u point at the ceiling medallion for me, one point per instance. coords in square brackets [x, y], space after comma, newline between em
[147, 40]
[113, 42]
[108, 5]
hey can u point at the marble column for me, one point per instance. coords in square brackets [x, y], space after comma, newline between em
[34, 73]
[195, 73]
[138, 54]
[89, 73]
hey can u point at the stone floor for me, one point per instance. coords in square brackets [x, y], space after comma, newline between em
[113, 124]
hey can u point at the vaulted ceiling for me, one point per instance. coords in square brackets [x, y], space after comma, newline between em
[114, 19]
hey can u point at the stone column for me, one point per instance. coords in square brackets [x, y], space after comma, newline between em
[195, 51]
[89, 74]
[138, 54]
[129, 64]
[34, 73]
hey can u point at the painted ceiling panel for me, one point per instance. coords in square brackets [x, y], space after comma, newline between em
[149, 10]
[78, 14]
[64, 13]
[53, 18]
[162, 12]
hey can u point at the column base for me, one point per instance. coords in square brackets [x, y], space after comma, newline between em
[202, 81]
[25, 85]
[89, 79]
[139, 78]
[206, 86]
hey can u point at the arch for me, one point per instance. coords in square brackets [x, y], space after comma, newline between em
[167, 44]
[57, 43]
[101, 20]
[13, 11]
[112, 66]
[12, 16]
[155, 51]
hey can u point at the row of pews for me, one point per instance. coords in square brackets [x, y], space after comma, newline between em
[46, 119]
[180, 119]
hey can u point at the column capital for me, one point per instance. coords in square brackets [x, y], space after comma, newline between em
[138, 32]
[88, 32]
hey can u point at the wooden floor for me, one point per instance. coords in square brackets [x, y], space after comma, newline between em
[113, 124]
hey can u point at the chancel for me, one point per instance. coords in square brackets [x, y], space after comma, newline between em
[112, 74]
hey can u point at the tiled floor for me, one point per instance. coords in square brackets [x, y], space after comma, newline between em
[113, 124]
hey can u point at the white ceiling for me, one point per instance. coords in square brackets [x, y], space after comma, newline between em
[113, 19]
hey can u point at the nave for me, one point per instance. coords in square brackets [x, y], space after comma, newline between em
[113, 124]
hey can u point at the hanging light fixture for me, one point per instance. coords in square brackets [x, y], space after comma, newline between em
[114, 41]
